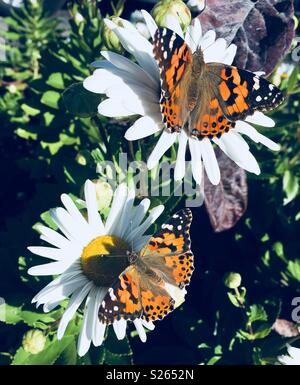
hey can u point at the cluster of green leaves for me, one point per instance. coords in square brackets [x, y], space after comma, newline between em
[52, 139]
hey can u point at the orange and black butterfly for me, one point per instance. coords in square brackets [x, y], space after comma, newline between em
[206, 98]
[141, 290]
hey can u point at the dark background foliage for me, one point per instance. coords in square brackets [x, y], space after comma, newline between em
[46, 150]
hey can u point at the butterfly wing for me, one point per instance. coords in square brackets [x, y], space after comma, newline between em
[169, 250]
[123, 299]
[230, 94]
[134, 296]
[174, 59]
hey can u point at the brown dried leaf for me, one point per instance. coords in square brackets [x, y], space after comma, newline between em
[263, 30]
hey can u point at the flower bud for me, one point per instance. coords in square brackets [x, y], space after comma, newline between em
[196, 5]
[232, 280]
[34, 341]
[104, 194]
[110, 39]
[174, 8]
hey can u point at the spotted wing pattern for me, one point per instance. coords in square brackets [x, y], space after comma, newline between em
[123, 299]
[230, 94]
[173, 243]
[174, 58]
[140, 291]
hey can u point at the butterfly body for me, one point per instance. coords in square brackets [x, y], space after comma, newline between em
[141, 291]
[206, 99]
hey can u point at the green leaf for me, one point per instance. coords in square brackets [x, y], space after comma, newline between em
[56, 80]
[293, 269]
[233, 299]
[51, 353]
[80, 102]
[14, 315]
[257, 313]
[50, 99]
[290, 186]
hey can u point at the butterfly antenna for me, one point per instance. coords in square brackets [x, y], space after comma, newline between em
[190, 35]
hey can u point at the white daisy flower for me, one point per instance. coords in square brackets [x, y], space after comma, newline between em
[79, 271]
[134, 89]
[293, 357]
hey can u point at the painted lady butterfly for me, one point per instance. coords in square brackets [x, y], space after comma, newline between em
[208, 98]
[139, 292]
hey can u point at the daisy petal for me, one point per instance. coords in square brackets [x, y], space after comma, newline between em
[247, 129]
[173, 24]
[194, 34]
[196, 160]
[180, 161]
[47, 252]
[165, 141]
[210, 161]
[260, 119]
[119, 200]
[53, 237]
[141, 331]
[94, 218]
[120, 328]
[143, 127]
[151, 24]
[74, 303]
[114, 108]
[148, 324]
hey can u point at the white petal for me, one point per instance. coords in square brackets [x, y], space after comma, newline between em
[94, 218]
[53, 237]
[207, 39]
[101, 79]
[151, 24]
[247, 129]
[194, 34]
[140, 230]
[138, 74]
[140, 329]
[215, 51]
[124, 221]
[84, 341]
[114, 108]
[229, 55]
[173, 24]
[260, 119]
[138, 46]
[59, 292]
[52, 268]
[143, 127]
[139, 243]
[148, 324]
[241, 157]
[180, 161]
[196, 160]
[165, 141]
[210, 161]
[140, 212]
[71, 228]
[73, 210]
[120, 328]
[47, 252]
[119, 200]
[74, 303]
[99, 333]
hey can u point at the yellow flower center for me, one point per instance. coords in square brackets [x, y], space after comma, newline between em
[104, 258]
